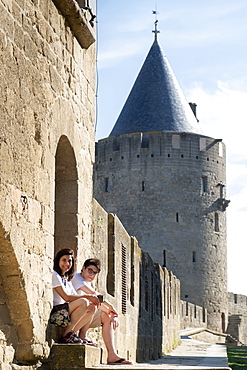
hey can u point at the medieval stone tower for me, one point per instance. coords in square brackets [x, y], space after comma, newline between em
[166, 182]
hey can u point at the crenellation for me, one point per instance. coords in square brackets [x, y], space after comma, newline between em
[159, 147]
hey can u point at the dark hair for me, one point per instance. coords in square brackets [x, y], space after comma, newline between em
[92, 261]
[61, 253]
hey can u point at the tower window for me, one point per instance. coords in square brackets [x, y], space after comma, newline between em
[202, 144]
[176, 141]
[193, 256]
[144, 140]
[116, 145]
[204, 184]
[143, 185]
[177, 217]
[216, 222]
[164, 258]
[107, 185]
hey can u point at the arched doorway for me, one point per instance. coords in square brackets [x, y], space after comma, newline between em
[66, 197]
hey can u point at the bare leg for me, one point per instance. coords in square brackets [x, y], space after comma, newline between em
[108, 337]
[81, 312]
[84, 329]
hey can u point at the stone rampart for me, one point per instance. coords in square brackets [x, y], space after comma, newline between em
[47, 84]
[147, 296]
[193, 316]
[237, 304]
[237, 324]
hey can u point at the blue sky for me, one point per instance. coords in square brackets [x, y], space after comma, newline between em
[206, 45]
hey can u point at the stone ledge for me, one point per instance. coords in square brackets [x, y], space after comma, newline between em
[77, 356]
[78, 23]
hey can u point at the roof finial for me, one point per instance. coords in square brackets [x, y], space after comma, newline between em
[155, 31]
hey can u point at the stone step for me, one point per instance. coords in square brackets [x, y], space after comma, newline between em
[148, 366]
[72, 356]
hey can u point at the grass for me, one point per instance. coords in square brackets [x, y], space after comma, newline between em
[237, 357]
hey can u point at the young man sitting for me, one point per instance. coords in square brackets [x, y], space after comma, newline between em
[106, 315]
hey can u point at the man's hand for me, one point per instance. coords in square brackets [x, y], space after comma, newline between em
[114, 321]
[93, 299]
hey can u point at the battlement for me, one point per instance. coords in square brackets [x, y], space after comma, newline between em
[153, 145]
[237, 303]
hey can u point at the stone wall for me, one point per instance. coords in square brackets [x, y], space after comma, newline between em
[168, 189]
[237, 303]
[47, 85]
[237, 325]
[146, 296]
[193, 316]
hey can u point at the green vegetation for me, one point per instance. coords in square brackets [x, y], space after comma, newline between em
[237, 357]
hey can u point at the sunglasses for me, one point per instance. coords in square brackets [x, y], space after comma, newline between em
[91, 271]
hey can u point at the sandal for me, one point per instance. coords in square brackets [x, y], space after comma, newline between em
[69, 338]
[121, 361]
[89, 343]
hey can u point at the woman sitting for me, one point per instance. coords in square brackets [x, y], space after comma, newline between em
[68, 307]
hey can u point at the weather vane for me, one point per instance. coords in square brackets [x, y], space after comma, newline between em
[155, 31]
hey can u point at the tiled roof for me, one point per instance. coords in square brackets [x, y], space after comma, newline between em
[156, 101]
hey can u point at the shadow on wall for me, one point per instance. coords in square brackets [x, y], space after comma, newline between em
[15, 318]
[150, 324]
[146, 296]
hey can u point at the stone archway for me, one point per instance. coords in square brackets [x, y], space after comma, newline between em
[66, 197]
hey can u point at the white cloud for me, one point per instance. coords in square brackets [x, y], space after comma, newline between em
[223, 114]
[117, 50]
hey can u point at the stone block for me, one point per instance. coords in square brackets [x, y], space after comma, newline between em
[17, 12]
[8, 4]
[77, 356]
[9, 354]
[26, 353]
[4, 314]
[1, 353]
[5, 367]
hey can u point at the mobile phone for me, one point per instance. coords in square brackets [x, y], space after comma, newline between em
[101, 298]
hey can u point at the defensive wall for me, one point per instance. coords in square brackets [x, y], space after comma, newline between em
[47, 85]
[237, 323]
[192, 316]
[147, 296]
[168, 189]
[237, 303]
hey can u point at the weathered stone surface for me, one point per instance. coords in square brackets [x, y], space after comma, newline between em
[156, 191]
[78, 356]
[38, 58]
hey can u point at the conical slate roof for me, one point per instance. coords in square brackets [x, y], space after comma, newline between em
[156, 101]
